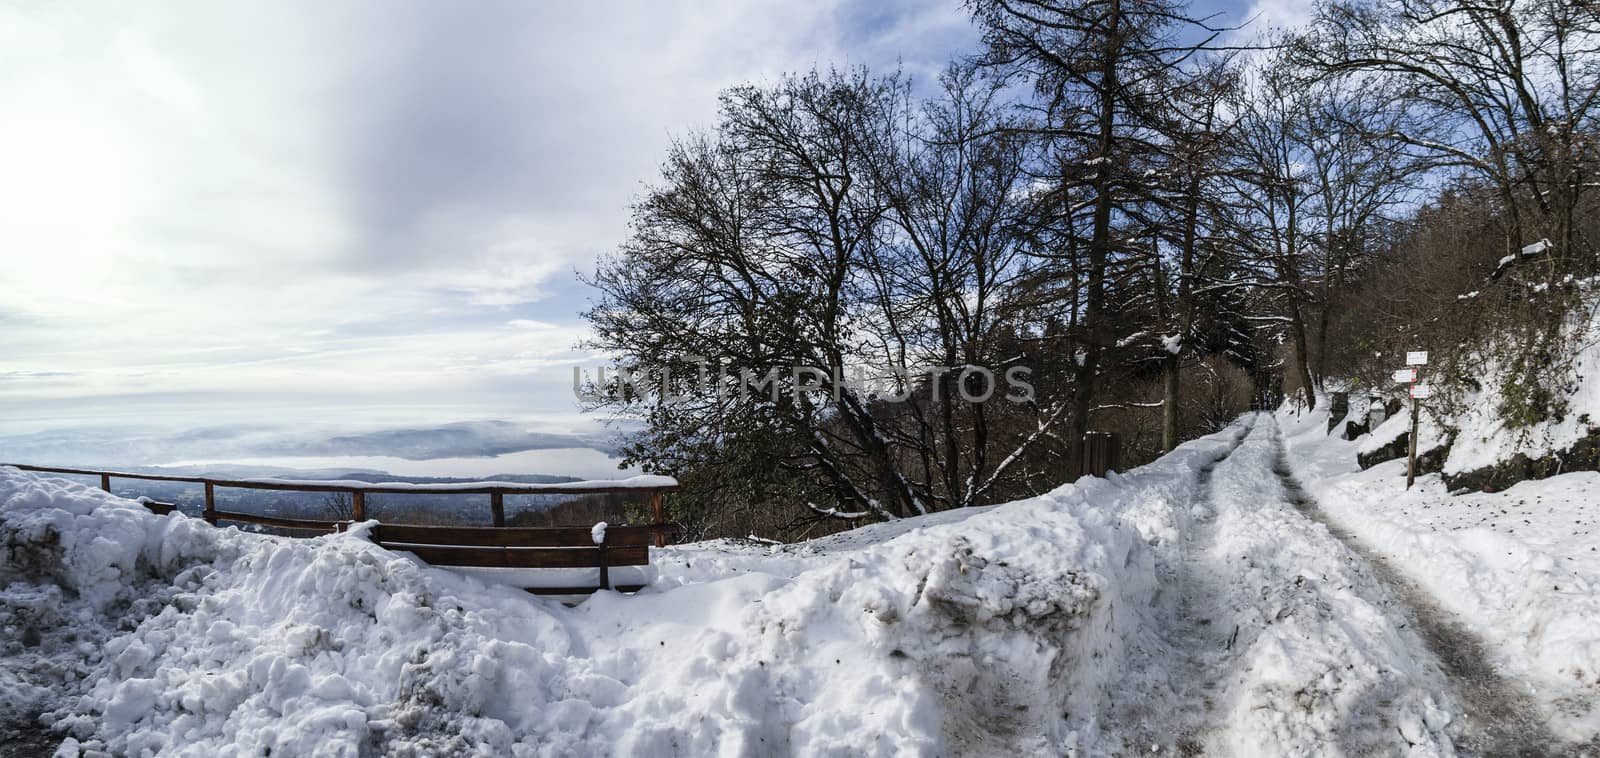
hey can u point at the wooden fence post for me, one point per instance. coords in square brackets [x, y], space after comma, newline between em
[497, 503]
[211, 504]
[1101, 453]
[358, 505]
[1411, 447]
[605, 570]
[105, 482]
[655, 505]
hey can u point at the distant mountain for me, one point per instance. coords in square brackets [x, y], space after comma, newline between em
[242, 471]
[95, 446]
[420, 507]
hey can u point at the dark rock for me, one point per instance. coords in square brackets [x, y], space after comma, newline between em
[1430, 461]
[1584, 455]
[1338, 408]
[1389, 452]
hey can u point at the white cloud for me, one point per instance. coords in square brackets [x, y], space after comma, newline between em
[352, 200]
[1271, 16]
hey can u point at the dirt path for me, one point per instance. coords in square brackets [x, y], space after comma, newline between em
[1500, 719]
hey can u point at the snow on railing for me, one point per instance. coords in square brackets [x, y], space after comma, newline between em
[656, 486]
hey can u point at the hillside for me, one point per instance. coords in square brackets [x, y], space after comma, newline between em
[1473, 433]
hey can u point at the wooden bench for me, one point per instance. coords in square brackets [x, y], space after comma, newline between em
[490, 547]
[526, 547]
[499, 547]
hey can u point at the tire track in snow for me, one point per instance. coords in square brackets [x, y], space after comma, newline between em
[1192, 650]
[1501, 719]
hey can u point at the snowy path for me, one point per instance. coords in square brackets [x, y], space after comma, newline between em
[1518, 569]
[1275, 637]
[1314, 627]
[1499, 719]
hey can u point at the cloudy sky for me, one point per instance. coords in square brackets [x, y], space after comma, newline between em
[355, 214]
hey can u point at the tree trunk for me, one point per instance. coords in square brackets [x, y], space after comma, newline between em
[1320, 375]
[1172, 364]
[1169, 402]
[1297, 330]
[1099, 242]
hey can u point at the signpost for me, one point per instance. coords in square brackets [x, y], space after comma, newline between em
[1418, 392]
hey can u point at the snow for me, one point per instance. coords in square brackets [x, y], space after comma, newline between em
[1521, 568]
[1132, 338]
[1292, 645]
[902, 645]
[1164, 608]
[598, 533]
[642, 482]
[1387, 432]
[1484, 439]
[1429, 434]
[550, 578]
[1172, 343]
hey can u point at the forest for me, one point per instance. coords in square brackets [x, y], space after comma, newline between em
[1164, 221]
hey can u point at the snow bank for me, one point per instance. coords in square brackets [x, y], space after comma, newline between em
[198, 639]
[1386, 433]
[984, 630]
[1484, 440]
[1429, 433]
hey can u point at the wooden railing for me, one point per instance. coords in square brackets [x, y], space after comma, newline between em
[498, 546]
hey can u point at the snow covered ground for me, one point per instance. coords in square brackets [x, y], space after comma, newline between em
[132, 632]
[1271, 639]
[1520, 568]
[1188, 606]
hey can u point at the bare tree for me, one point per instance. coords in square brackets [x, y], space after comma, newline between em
[1099, 71]
[831, 221]
[1315, 167]
[339, 506]
[1515, 83]
[1192, 212]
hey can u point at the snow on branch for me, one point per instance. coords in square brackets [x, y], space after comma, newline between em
[1122, 406]
[1279, 319]
[832, 512]
[974, 491]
